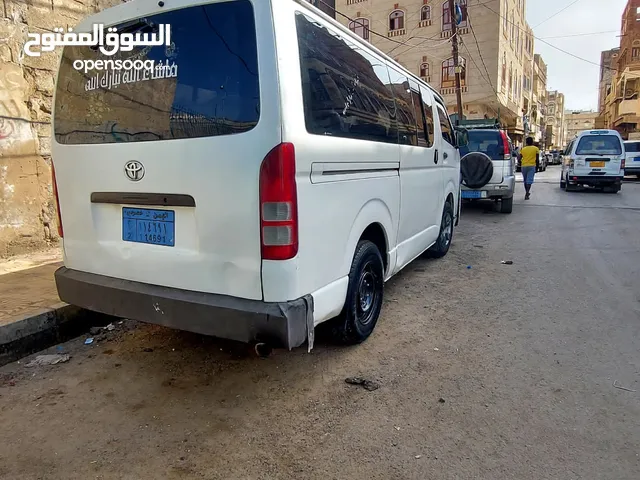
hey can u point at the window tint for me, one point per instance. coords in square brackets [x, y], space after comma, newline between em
[632, 147]
[599, 145]
[487, 142]
[445, 126]
[427, 127]
[193, 96]
[345, 90]
[405, 113]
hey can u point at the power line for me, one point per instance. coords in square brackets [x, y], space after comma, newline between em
[580, 34]
[557, 13]
[550, 44]
[480, 55]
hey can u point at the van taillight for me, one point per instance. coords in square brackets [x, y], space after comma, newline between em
[56, 199]
[279, 204]
[505, 146]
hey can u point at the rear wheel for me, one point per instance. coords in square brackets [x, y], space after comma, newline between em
[364, 296]
[506, 205]
[563, 184]
[441, 247]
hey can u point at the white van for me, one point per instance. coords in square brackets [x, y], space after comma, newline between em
[594, 158]
[272, 178]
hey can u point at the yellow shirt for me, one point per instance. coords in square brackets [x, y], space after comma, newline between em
[529, 155]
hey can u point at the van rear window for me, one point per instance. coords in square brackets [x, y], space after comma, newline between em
[599, 145]
[208, 86]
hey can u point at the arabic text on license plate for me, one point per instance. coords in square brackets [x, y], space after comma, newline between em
[471, 194]
[143, 225]
[596, 164]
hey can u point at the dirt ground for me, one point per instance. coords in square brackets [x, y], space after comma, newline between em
[490, 372]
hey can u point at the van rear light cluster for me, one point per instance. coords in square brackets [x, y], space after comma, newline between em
[279, 204]
[505, 146]
[56, 199]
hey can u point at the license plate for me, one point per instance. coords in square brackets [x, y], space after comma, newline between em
[472, 194]
[636, 159]
[143, 225]
[596, 164]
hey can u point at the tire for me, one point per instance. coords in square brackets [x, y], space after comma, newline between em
[563, 184]
[506, 205]
[476, 169]
[441, 247]
[366, 281]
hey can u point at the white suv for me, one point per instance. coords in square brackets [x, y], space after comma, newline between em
[595, 158]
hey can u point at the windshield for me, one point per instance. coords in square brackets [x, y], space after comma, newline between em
[207, 85]
[632, 147]
[599, 145]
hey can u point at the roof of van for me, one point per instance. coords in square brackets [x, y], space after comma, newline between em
[597, 131]
[354, 37]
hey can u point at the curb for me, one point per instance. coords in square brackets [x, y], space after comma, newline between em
[46, 328]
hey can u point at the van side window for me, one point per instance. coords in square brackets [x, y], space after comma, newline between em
[427, 108]
[344, 89]
[445, 126]
[423, 139]
[569, 148]
[405, 113]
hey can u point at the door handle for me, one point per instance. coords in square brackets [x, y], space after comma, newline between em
[435, 157]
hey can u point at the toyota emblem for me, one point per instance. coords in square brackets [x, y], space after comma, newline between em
[134, 170]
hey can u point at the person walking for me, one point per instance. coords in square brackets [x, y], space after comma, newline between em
[529, 157]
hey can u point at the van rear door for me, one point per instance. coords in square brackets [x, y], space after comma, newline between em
[158, 171]
[598, 153]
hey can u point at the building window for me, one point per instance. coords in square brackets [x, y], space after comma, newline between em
[635, 52]
[510, 78]
[449, 73]
[424, 69]
[504, 72]
[447, 16]
[396, 20]
[360, 26]
[425, 13]
[505, 18]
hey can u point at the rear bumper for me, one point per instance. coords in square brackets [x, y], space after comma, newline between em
[595, 181]
[504, 189]
[283, 324]
[634, 170]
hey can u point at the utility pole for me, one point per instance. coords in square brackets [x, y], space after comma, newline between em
[454, 49]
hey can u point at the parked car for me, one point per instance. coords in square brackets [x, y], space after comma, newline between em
[632, 157]
[594, 158]
[488, 167]
[542, 162]
[256, 214]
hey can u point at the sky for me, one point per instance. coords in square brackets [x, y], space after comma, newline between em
[577, 79]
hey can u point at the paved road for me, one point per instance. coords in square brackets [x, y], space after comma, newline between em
[523, 356]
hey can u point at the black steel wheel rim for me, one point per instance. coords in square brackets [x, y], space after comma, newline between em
[367, 294]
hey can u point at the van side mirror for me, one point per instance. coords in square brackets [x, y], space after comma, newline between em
[462, 137]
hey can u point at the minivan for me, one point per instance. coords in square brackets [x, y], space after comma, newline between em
[270, 179]
[595, 158]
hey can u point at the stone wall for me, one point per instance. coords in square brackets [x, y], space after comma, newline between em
[27, 209]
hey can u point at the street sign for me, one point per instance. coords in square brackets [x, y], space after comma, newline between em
[458, 14]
